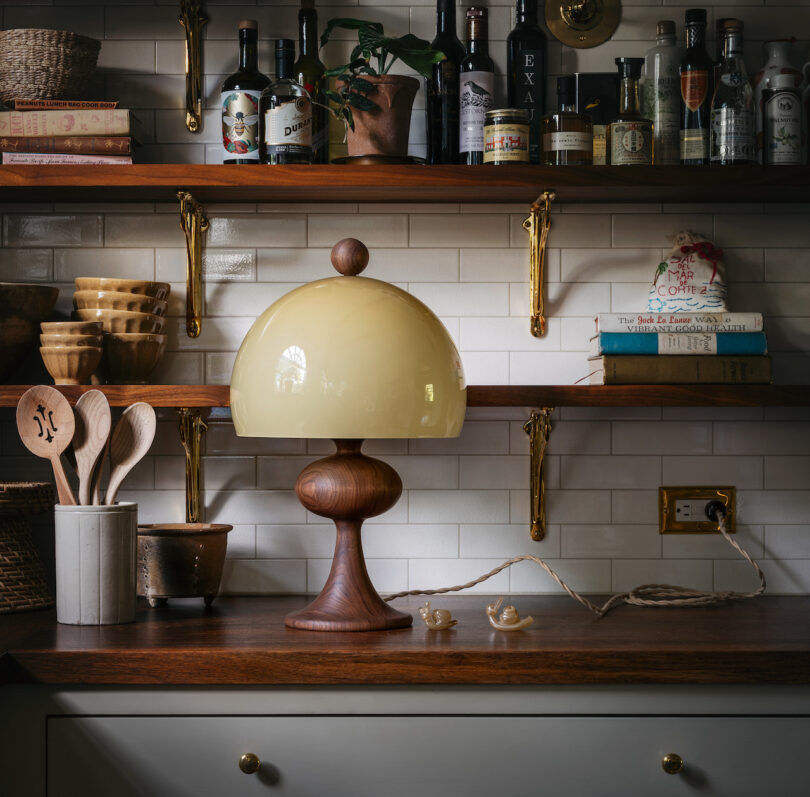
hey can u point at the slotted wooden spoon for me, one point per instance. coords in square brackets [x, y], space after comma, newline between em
[46, 425]
[93, 421]
[131, 438]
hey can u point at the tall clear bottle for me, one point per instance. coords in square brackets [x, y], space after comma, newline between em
[308, 72]
[732, 133]
[630, 135]
[476, 90]
[443, 88]
[239, 100]
[696, 91]
[661, 93]
[526, 72]
[286, 112]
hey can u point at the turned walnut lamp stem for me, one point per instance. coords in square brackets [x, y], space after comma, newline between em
[348, 358]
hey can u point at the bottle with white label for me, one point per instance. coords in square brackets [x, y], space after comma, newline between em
[661, 94]
[286, 113]
[476, 89]
[239, 100]
[630, 135]
[782, 122]
[567, 135]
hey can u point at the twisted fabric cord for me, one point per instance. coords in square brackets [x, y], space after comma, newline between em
[645, 595]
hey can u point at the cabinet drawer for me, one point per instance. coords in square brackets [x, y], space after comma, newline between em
[428, 756]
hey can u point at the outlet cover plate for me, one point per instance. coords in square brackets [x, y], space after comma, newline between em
[681, 509]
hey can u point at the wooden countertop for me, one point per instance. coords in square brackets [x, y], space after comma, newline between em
[243, 641]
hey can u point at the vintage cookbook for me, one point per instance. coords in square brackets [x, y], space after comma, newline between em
[680, 343]
[632, 369]
[73, 105]
[54, 158]
[678, 322]
[98, 145]
[105, 122]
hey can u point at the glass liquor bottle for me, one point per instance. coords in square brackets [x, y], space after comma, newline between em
[696, 95]
[526, 71]
[239, 100]
[567, 135]
[443, 88]
[308, 72]
[661, 95]
[630, 135]
[782, 122]
[732, 133]
[286, 113]
[476, 89]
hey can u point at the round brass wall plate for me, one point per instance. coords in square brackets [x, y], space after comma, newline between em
[583, 23]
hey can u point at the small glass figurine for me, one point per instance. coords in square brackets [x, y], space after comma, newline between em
[509, 619]
[436, 619]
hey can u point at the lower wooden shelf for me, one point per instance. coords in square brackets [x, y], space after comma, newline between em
[481, 395]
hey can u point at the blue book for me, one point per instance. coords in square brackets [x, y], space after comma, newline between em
[708, 343]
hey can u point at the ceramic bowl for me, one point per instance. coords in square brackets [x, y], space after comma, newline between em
[71, 365]
[22, 308]
[71, 340]
[71, 327]
[115, 300]
[123, 320]
[180, 560]
[157, 290]
[129, 358]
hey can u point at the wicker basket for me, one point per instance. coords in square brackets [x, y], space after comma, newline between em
[44, 64]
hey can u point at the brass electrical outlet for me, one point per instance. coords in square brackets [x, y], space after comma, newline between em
[682, 510]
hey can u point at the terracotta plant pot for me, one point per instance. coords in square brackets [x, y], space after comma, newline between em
[384, 131]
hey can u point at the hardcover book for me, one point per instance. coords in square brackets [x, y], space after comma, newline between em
[678, 322]
[101, 122]
[73, 105]
[631, 369]
[679, 343]
[54, 158]
[101, 145]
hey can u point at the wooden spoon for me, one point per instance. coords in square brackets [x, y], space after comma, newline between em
[129, 443]
[93, 421]
[46, 425]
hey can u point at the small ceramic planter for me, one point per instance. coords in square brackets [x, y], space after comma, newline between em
[95, 563]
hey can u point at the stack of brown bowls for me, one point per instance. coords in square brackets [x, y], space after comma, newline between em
[71, 350]
[132, 314]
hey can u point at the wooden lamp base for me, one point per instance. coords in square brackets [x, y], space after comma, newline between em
[348, 487]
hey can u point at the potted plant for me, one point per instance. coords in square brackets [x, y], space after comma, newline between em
[374, 105]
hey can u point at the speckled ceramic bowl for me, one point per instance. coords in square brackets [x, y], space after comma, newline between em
[71, 365]
[157, 290]
[71, 340]
[129, 358]
[116, 300]
[123, 320]
[71, 327]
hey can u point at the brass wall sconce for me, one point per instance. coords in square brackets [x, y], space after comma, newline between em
[583, 23]
[192, 19]
[538, 224]
[538, 427]
[194, 223]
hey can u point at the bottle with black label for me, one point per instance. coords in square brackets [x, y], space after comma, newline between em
[696, 91]
[308, 72]
[782, 122]
[476, 89]
[442, 88]
[661, 94]
[567, 135]
[286, 112]
[732, 133]
[630, 135]
[239, 100]
[526, 71]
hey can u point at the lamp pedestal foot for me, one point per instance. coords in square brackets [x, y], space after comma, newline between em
[348, 487]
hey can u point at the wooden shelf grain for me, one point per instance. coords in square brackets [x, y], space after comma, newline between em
[243, 641]
[467, 184]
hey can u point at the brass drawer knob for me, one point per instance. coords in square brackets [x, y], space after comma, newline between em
[672, 763]
[249, 763]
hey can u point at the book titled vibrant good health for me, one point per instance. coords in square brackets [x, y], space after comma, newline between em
[633, 369]
[679, 343]
[678, 322]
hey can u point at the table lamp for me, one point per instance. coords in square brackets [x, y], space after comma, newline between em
[348, 358]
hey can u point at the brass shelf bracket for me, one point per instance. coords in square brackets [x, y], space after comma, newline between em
[538, 427]
[192, 427]
[192, 19]
[537, 224]
[194, 223]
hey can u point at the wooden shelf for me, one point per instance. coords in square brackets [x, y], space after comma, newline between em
[482, 395]
[469, 184]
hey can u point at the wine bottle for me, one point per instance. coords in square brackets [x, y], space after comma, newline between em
[526, 71]
[732, 133]
[308, 72]
[661, 94]
[567, 135]
[477, 83]
[240, 100]
[443, 88]
[630, 135]
[696, 91]
[286, 111]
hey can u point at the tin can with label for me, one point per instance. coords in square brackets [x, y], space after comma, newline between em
[506, 136]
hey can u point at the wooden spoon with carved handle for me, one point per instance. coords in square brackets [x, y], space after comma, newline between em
[46, 425]
[130, 441]
[93, 423]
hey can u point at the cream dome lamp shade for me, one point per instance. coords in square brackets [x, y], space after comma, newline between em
[348, 358]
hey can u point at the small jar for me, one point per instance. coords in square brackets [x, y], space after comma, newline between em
[506, 136]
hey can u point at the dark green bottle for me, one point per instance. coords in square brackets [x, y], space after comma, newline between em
[308, 71]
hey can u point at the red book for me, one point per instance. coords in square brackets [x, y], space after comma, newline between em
[97, 145]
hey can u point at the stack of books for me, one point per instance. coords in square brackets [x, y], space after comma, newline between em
[59, 132]
[678, 348]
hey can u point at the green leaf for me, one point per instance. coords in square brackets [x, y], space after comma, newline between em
[334, 96]
[347, 23]
[364, 86]
[362, 103]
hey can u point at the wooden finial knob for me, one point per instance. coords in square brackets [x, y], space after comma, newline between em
[349, 257]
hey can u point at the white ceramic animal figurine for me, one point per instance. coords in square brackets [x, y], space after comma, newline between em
[509, 619]
[436, 619]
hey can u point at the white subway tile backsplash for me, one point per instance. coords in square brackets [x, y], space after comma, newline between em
[481, 540]
[787, 542]
[373, 230]
[440, 230]
[493, 472]
[86, 262]
[662, 437]
[582, 575]
[56, 230]
[459, 506]
[506, 334]
[609, 473]
[438, 573]
[608, 542]
[713, 546]
[761, 438]
[787, 577]
[691, 573]
[387, 575]
[29, 264]
[264, 577]
[219, 265]
[463, 299]
[744, 473]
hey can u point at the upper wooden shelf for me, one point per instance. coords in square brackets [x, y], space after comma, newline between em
[468, 184]
[482, 395]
